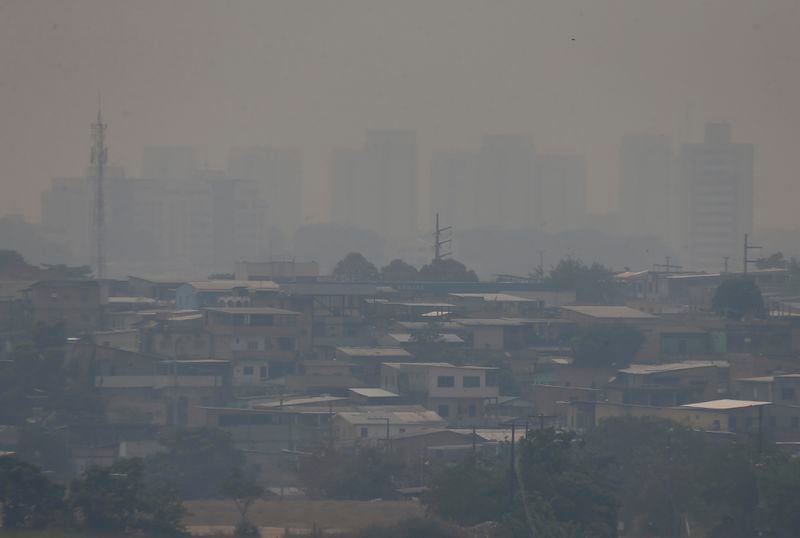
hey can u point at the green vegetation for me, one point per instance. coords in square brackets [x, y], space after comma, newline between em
[111, 499]
[361, 475]
[446, 270]
[608, 346]
[737, 298]
[652, 475]
[196, 462]
[356, 268]
[592, 284]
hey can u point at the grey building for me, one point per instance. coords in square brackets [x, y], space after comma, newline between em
[719, 183]
[646, 189]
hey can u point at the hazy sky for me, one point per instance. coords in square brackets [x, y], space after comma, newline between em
[315, 74]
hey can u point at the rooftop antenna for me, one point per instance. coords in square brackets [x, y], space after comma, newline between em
[747, 248]
[99, 158]
[667, 266]
[438, 243]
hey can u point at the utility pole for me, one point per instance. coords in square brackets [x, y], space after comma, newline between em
[727, 259]
[747, 248]
[99, 158]
[438, 243]
[667, 266]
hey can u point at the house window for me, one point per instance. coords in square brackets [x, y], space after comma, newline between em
[247, 370]
[285, 343]
[364, 432]
[262, 372]
[472, 411]
[444, 410]
[787, 394]
[445, 381]
[402, 430]
[472, 381]
[252, 345]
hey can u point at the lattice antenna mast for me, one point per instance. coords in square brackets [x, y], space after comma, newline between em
[99, 158]
[439, 242]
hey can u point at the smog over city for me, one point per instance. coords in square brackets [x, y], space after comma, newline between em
[366, 268]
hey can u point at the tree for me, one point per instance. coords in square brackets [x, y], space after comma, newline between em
[469, 492]
[116, 499]
[244, 493]
[446, 270]
[737, 298]
[361, 475]
[773, 261]
[28, 498]
[780, 487]
[592, 284]
[399, 271]
[355, 268]
[613, 346]
[196, 462]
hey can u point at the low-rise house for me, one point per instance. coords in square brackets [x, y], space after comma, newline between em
[731, 416]
[160, 289]
[220, 293]
[367, 361]
[595, 315]
[75, 303]
[373, 396]
[384, 422]
[669, 384]
[262, 342]
[496, 304]
[178, 335]
[456, 393]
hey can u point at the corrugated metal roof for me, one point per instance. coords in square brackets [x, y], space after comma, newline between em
[646, 369]
[226, 285]
[726, 404]
[494, 297]
[609, 312]
[373, 393]
[373, 351]
[407, 338]
[254, 310]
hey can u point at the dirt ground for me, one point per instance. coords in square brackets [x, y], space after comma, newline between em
[208, 517]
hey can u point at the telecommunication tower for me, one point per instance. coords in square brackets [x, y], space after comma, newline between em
[439, 242]
[99, 158]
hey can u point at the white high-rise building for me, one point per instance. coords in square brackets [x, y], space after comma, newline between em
[719, 185]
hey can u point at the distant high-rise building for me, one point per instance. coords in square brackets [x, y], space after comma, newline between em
[392, 164]
[353, 201]
[279, 176]
[454, 182]
[719, 183]
[376, 188]
[646, 187]
[169, 163]
[506, 181]
[560, 195]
